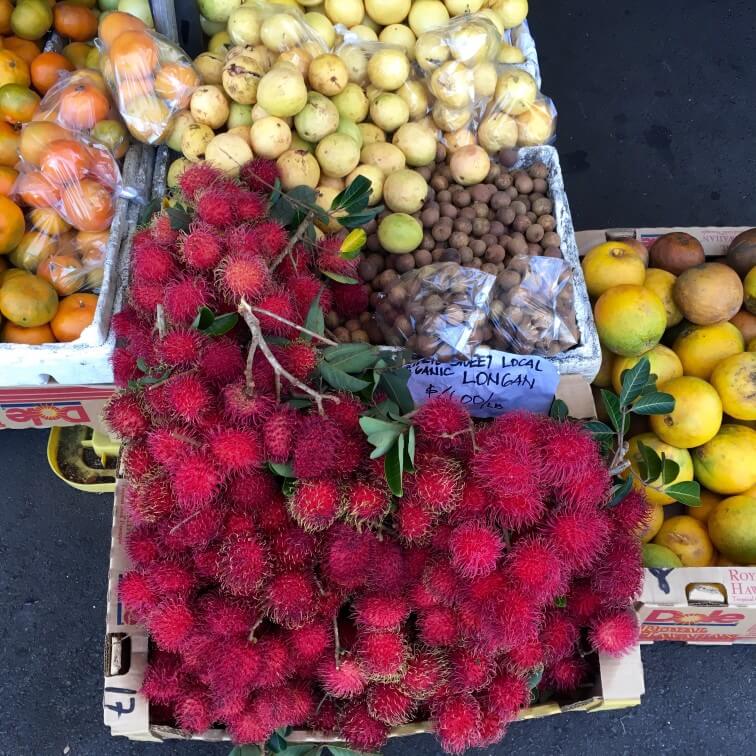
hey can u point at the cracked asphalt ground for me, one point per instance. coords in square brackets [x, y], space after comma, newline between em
[656, 124]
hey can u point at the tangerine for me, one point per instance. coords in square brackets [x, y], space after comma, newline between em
[8, 178]
[13, 69]
[28, 300]
[82, 105]
[116, 23]
[76, 53]
[65, 162]
[103, 167]
[45, 70]
[15, 334]
[74, 314]
[36, 137]
[35, 190]
[92, 245]
[48, 221]
[9, 143]
[88, 206]
[11, 225]
[24, 49]
[33, 249]
[6, 8]
[64, 272]
[75, 22]
[17, 103]
[134, 54]
[113, 135]
[176, 83]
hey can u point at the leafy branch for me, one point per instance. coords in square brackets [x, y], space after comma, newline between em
[277, 744]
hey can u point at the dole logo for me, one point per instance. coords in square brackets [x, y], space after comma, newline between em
[676, 617]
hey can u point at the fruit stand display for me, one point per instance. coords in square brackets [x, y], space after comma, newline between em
[697, 325]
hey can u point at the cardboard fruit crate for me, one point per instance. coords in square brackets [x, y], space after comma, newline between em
[701, 605]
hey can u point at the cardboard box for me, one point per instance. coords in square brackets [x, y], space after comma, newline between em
[127, 712]
[702, 605]
[46, 406]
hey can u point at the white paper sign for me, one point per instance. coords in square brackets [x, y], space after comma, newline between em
[489, 383]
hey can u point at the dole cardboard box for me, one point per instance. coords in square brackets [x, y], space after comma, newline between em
[618, 683]
[707, 605]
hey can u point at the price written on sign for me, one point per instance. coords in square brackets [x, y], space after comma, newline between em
[488, 384]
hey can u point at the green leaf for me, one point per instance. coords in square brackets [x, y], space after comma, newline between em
[612, 404]
[411, 444]
[393, 466]
[353, 243]
[619, 491]
[142, 365]
[351, 358]
[222, 324]
[276, 743]
[294, 204]
[152, 207]
[205, 317]
[341, 751]
[688, 492]
[670, 470]
[394, 384]
[288, 486]
[245, 750]
[275, 194]
[300, 403]
[284, 469]
[535, 677]
[354, 197]
[599, 430]
[356, 220]
[340, 380]
[372, 425]
[560, 602]
[382, 442]
[655, 403]
[315, 321]
[651, 463]
[633, 381]
[179, 219]
[558, 410]
[301, 749]
[338, 277]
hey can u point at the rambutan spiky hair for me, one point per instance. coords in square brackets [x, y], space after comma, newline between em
[458, 719]
[360, 730]
[196, 178]
[615, 633]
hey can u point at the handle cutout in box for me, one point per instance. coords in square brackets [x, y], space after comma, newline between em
[706, 594]
[117, 654]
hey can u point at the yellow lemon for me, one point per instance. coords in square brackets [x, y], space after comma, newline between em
[661, 282]
[732, 528]
[696, 417]
[611, 264]
[655, 489]
[727, 463]
[688, 539]
[664, 364]
[702, 348]
[735, 381]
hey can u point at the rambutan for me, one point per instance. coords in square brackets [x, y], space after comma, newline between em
[437, 626]
[194, 711]
[426, 672]
[458, 720]
[153, 499]
[590, 489]
[236, 449]
[296, 262]
[326, 717]
[565, 675]
[309, 642]
[272, 516]
[578, 536]
[525, 657]
[475, 548]
[279, 303]
[315, 447]
[614, 633]
[413, 521]
[293, 547]
[270, 239]
[180, 347]
[201, 248]
[366, 502]
[348, 557]
[299, 359]
[315, 504]
[162, 230]
[350, 300]
[137, 461]
[156, 402]
[518, 509]
[136, 594]
[486, 588]
[151, 263]
[567, 450]
[295, 702]
[127, 325]
[380, 612]
[243, 277]
[291, 598]
[162, 678]
[583, 602]
[246, 406]
[193, 532]
[278, 431]
[559, 635]
[244, 565]
[507, 694]
[260, 175]
[351, 454]
[224, 617]
[330, 260]
[388, 571]
[517, 616]
[248, 206]
[215, 207]
[443, 422]
[618, 576]
[196, 178]
[145, 296]
[535, 565]
[504, 467]
[277, 667]
[170, 624]
[195, 480]
[170, 443]
[184, 296]
[188, 397]
[437, 485]
[470, 670]
[255, 724]
[389, 704]
[632, 514]
[169, 578]
[125, 416]
[443, 582]
[304, 288]
[415, 559]
[208, 561]
[346, 680]
[492, 729]
[360, 730]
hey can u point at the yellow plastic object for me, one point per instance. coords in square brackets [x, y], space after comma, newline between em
[103, 446]
[54, 444]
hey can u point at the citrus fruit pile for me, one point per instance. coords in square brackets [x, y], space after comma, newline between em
[695, 321]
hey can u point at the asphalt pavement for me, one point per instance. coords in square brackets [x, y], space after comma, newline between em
[656, 121]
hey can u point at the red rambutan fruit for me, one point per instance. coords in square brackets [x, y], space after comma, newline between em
[162, 678]
[535, 565]
[224, 617]
[196, 178]
[151, 263]
[153, 499]
[201, 248]
[470, 670]
[426, 672]
[273, 515]
[518, 509]
[350, 300]
[632, 514]
[438, 485]
[184, 296]
[243, 277]
[525, 657]
[590, 489]
[304, 288]
[145, 296]
[559, 635]
[346, 680]
[255, 724]
[458, 720]
[315, 504]
[351, 454]
[260, 175]
[443, 420]
[248, 206]
[583, 601]
[232, 666]
[244, 565]
[236, 449]
[277, 302]
[486, 588]
[492, 729]
[240, 240]
[348, 557]
[437, 626]
[517, 616]
[136, 594]
[194, 711]
[309, 642]
[443, 582]
[180, 347]
[415, 560]
[169, 578]
[618, 575]
[507, 694]
[413, 521]
[125, 416]
[208, 562]
[331, 261]
[360, 730]
[294, 703]
[195, 480]
[614, 633]
[195, 531]
[475, 548]
[380, 612]
[326, 718]
[567, 449]
[137, 461]
[264, 379]
[578, 536]
[293, 547]
[170, 624]
[277, 667]
[504, 467]
[295, 263]
[127, 325]
[249, 407]
[270, 239]
[565, 675]
[299, 359]
[388, 570]
[279, 430]
[389, 704]
[346, 412]
[170, 443]
[162, 230]
[315, 447]
[188, 397]
[215, 207]
[156, 402]
[291, 598]
[366, 502]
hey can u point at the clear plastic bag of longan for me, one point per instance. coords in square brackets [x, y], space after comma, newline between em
[439, 310]
[532, 310]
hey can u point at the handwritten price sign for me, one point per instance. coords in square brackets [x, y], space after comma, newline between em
[488, 384]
